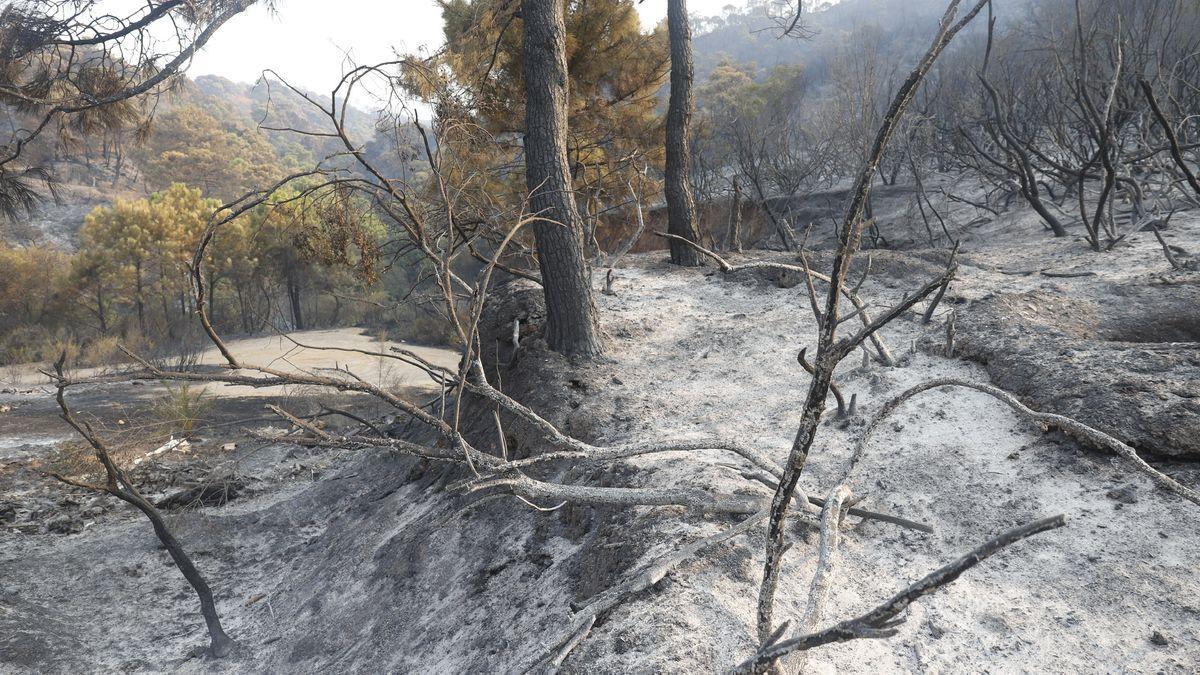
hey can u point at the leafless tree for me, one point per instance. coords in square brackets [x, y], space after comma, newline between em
[118, 484]
[1061, 115]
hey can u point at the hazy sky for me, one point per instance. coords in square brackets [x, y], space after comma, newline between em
[307, 40]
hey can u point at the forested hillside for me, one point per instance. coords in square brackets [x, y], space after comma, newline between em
[210, 133]
[750, 34]
[130, 199]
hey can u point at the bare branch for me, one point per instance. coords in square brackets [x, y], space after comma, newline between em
[1071, 427]
[881, 622]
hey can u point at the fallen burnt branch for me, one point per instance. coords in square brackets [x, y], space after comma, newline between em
[1066, 275]
[696, 499]
[831, 528]
[613, 496]
[882, 622]
[1082, 432]
[832, 514]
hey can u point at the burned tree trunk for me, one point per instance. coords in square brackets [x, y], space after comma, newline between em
[570, 315]
[734, 242]
[830, 349]
[1172, 139]
[681, 207]
[293, 291]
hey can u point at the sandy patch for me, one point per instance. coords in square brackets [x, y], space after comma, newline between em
[277, 351]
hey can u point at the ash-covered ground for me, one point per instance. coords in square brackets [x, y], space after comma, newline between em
[367, 561]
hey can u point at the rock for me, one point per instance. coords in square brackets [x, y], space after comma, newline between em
[1125, 494]
[63, 525]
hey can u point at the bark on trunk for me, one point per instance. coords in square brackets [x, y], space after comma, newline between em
[681, 207]
[139, 297]
[570, 314]
[293, 291]
[735, 220]
[101, 312]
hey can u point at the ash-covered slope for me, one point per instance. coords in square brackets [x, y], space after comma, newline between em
[370, 562]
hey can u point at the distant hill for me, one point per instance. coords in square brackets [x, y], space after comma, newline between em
[278, 106]
[202, 128]
[750, 35]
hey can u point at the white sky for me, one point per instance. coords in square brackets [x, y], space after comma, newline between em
[306, 40]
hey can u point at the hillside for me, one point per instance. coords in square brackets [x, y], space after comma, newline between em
[750, 35]
[871, 349]
[371, 561]
[206, 132]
